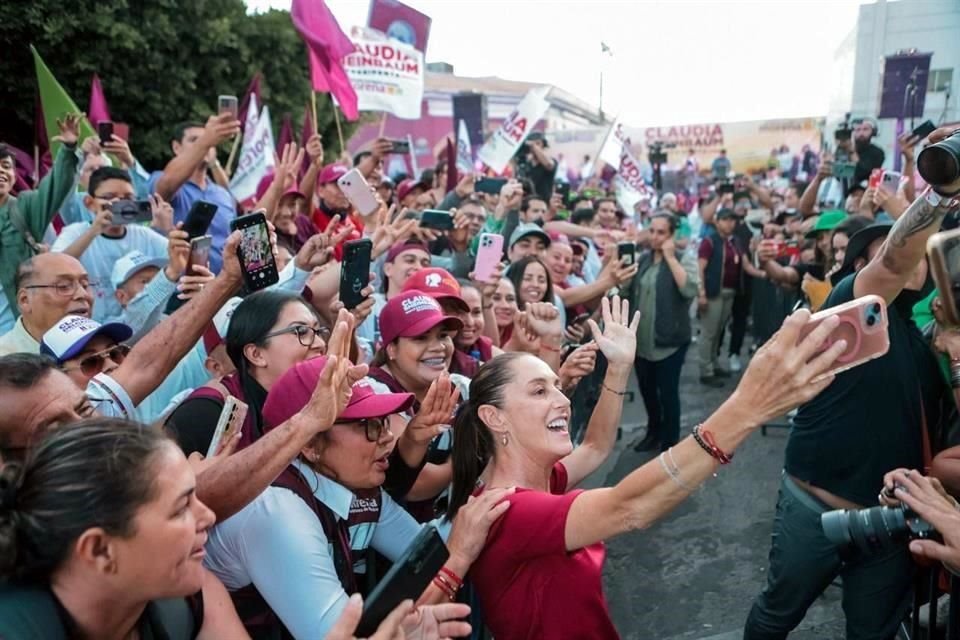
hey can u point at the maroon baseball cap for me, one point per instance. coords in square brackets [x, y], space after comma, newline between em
[413, 313]
[293, 390]
[439, 285]
[400, 247]
[332, 173]
[406, 186]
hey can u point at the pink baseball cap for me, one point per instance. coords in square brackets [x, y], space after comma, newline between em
[438, 284]
[332, 173]
[293, 390]
[413, 313]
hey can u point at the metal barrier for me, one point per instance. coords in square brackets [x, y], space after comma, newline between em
[927, 593]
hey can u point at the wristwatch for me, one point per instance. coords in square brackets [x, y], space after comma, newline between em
[935, 199]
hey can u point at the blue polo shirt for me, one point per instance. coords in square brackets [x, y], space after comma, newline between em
[189, 193]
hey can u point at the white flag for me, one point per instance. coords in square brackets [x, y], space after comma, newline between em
[386, 74]
[505, 141]
[464, 152]
[611, 147]
[256, 155]
[629, 183]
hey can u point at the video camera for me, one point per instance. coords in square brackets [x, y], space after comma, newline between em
[656, 155]
[844, 130]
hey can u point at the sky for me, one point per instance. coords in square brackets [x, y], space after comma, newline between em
[674, 62]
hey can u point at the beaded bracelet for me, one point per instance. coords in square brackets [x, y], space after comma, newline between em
[705, 439]
[445, 587]
[673, 473]
[614, 391]
[457, 580]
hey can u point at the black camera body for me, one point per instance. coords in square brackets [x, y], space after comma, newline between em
[875, 529]
[656, 155]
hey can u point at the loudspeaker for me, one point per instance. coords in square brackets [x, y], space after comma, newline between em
[904, 85]
[472, 109]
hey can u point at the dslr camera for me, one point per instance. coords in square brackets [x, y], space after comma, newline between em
[875, 529]
[939, 164]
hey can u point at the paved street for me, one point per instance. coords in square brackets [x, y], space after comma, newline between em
[694, 574]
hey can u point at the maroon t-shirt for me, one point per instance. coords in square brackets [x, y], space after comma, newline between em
[731, 260]
[529, 585]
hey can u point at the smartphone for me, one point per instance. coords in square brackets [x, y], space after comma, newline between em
[355, 271]
[229, 104]
[131, 211]
[105, 131]
[199, 252]
[863, 324]
[358, 192]
[627, 250]
[489, 255]
[256, 252]
[891, 181]
[489, 185]
[434, 219]
[230, 422]
[400, 146]
[407, 579]
[943, 250]
[563, 190]
[199, 218]
[924, 130]
[726, 186]
[844, 170]
[580, 319]
[875, 177]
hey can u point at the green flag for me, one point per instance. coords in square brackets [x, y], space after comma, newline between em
[55, 103]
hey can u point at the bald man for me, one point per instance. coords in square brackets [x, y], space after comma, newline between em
[49, 286]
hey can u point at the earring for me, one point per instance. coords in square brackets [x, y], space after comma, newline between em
[503, 439]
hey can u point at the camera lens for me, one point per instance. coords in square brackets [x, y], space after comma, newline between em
[876, 308]
[869, 530]
[871, 320]
[939, 164]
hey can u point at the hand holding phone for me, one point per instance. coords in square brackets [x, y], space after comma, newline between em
[105, 131]
[231, 419]
[626, 250]
[435, 219]
[489, 255]
[355, 272]
[863, 325]
[199, 253]
[256, 251]
[358, 192]
[229, 104]
[131, 211]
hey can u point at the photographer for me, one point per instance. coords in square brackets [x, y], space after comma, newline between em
[928, 499]
[537, 165]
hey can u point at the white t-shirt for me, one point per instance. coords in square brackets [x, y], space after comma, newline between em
[103, 253]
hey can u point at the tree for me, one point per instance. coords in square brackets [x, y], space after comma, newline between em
[161, 62]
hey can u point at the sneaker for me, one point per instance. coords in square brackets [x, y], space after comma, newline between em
[735, 365]
[711, 381]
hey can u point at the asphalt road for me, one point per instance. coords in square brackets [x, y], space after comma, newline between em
[694, 574]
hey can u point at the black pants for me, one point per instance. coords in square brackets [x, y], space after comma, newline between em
[660, 387]
[738, 319]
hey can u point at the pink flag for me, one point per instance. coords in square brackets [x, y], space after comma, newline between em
[327, 45]
[98, 110]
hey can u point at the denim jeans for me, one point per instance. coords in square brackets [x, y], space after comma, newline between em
[876, 589]
[660, 388]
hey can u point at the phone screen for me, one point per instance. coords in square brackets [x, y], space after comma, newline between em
[105, 131]
[256, 253]
[228, 104]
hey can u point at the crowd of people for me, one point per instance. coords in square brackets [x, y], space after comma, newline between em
[473, 403]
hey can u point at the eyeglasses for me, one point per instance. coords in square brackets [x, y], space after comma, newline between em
[373, 428]
[306, 335]
[93, 364]
[65, 288]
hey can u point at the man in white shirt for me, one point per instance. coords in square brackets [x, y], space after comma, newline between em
[101, 243]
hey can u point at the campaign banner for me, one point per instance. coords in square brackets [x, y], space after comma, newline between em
[612, 145]
[464, 151]
[400, 22]
[629, 184]
[386, 74]
[256, 154]
[505, 141]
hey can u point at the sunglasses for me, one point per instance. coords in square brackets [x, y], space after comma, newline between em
[93, 364]
[373, 428]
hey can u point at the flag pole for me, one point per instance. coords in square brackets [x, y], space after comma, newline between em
[313, 108]
[36, 164]
[383, 125]
[233, 154]
[336, 115]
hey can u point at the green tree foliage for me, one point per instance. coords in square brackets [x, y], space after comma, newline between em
[160, 61]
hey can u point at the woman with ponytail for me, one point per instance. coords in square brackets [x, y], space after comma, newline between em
[513, 432]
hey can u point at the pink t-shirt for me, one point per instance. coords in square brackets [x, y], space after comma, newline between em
[529, 585]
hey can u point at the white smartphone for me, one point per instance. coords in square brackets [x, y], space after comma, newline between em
[489, 255]
[231, 421]
[891, 180]
[358, 192]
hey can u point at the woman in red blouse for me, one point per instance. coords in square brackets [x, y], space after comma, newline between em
[539, 575]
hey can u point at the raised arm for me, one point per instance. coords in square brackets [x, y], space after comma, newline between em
[40, 205]
[779, 377]
[308, 184]
[808, 200]
[218, 128]
[618, 342]
[76, 248]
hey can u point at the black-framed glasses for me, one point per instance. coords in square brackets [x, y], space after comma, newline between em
[93, 364]
[373, 428]
[306, 335]
[65, 288]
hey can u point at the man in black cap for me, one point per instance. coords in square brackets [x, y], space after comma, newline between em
[869, 421]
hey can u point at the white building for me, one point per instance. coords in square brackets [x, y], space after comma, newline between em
[886, 28]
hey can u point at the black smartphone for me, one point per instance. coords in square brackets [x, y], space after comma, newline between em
[627, 250]
[105, 131]
[131, 211]
[925, 129]
[563, 190]
[400, 146]
[355, 271]
[580, 319]
[407, 579]
[199, 218]
[434, 219]
[489, 185]
[725, 186]
[199, 253]
[255, 251]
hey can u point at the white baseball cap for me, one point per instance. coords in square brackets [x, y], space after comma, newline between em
[216, 332]
[132, 262]
[68, 337]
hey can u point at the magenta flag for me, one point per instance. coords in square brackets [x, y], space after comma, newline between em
[98, 111]
[253, 89]
[306, 132]
[327, 45]
[286, 133]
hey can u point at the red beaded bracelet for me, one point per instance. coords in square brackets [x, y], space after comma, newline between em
[445, 587]
[457, 580]
[705, 439]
